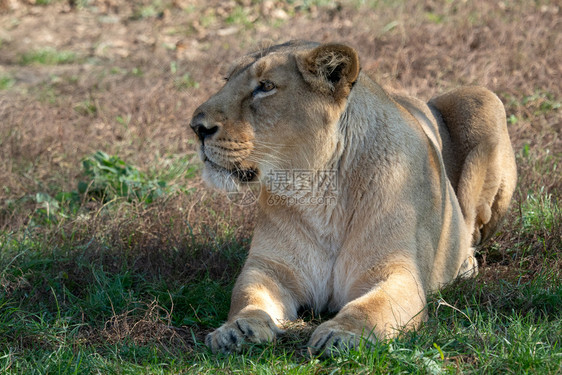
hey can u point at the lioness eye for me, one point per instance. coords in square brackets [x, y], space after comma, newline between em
[266, 86]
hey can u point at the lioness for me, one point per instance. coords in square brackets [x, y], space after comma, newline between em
[368, 200]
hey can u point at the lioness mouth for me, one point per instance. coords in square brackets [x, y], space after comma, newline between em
[245, 175]
[242, 175]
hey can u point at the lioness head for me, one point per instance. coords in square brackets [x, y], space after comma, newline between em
[278, 110]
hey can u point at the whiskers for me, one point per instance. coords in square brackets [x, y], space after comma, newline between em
[265, 159]
[270, 154]
[242, 164]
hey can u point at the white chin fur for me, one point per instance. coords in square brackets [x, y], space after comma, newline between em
[220, 178]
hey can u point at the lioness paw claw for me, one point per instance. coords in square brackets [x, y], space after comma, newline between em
[328, 341]
[232, 335]
[469, 268]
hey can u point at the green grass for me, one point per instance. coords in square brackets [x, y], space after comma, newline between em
[185, 82]
[154, 9]
[76, 300]
[6, 82]
[73, 325]
[108, 180]
[86, 108]
[239, 16]
[45, 2]
[541, 210]
[48, 56]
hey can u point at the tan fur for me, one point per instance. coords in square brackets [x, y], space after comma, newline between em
[416, 185]
[485, 181]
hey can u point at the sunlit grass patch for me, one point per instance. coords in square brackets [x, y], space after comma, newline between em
[108, 179]
[110, 176]
[541, 210]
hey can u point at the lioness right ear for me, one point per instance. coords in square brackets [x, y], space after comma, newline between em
[330, 68]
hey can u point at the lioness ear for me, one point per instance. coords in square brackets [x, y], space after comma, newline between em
[330, 68]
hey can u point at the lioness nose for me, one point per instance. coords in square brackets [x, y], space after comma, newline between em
[199, 126]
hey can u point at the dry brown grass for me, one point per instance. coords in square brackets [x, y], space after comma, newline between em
[154, 327]
[430, 47]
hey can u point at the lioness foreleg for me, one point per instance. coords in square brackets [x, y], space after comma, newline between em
[259, 304]
[389, 306]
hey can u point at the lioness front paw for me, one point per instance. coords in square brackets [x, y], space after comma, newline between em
[469, 268]
[330, 338]
[255, 328]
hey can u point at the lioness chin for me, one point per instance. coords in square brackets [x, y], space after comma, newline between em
[391, 193]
